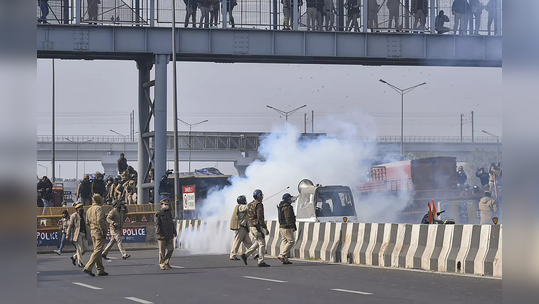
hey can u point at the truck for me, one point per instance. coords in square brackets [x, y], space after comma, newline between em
[424, 180]
[317, 203]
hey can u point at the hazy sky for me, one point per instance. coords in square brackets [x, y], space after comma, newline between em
[95, 96]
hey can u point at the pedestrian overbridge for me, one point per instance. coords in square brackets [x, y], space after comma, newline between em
[267, 46]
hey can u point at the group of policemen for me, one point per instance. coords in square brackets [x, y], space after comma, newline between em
[248, 223]
[93, 223]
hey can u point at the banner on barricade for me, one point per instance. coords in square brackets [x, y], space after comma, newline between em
[48, 237]
[132, 235]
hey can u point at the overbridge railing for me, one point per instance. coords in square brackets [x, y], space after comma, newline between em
[269, 14]
[251, 141]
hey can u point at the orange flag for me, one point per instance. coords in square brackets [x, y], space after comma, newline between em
[433, 209]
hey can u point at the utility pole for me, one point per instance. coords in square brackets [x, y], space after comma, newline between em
[312, 122]
[53, 127]
[472, 128]
[190, 127]
[461, 123]
[305, 122]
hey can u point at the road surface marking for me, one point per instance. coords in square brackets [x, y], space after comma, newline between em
[353, 291]
[87, 286]
[38, 272]
[262, 279]
[138, 300]
[178, 267]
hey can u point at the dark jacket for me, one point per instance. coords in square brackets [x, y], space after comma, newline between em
[164, 225]
[425, 220]
[460, 6]
[164, 186]
[191, 3]
[98, 186]
[287, 218]
[85, 189]
[483, 177]
[461, 177]
[122, 164]
[255, 214]
[45, 189]
[311, 3]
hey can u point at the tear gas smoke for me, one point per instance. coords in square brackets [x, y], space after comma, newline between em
[335, 160]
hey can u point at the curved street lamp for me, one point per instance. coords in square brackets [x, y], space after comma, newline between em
[286, 114]
[190, 127]
[402, 92]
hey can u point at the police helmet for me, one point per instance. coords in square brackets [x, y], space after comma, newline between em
[257, 193]
[116, 203]
[242, 200]
[286, 196]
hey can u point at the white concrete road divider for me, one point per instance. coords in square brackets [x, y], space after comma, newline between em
[466, 249]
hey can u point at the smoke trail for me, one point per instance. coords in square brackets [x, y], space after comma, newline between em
[335, 160]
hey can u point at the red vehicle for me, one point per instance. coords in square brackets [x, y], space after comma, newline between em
[425, 179]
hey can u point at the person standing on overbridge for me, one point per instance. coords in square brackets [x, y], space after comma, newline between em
[98, 226]
[77, 232]
[116, 218]
[166, 232]
[287, 227]
[258, 228]
[239, 224]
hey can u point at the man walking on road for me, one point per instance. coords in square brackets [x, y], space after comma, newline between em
[258, 228]
[78, 231]
[287, 227]
[98, 225]
[240, 226]
[115, 218]
[166, 232]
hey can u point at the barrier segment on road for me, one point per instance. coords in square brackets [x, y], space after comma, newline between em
[467, 249]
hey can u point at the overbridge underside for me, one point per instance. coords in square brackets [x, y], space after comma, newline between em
[268, 46]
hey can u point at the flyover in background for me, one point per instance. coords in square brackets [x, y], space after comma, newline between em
[240, 148]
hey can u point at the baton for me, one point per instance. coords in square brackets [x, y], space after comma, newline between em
[277, 193]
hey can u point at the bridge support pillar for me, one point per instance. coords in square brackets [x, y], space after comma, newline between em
[144, 109]
[160, 121]
[242, 164]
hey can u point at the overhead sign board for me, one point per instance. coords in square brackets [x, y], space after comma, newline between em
[188, 197]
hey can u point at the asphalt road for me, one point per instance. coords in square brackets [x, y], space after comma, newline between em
[215, 279]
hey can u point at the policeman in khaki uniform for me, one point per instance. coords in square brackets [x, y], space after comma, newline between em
[166, 232]
[287, 227]
[77, 232]
[98, 225]
[240, 226]
[115, 218]
[488, 207]
[258, 228]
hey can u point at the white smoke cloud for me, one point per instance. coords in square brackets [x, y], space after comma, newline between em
[338, 159]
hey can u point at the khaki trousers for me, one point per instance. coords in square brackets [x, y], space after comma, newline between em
[95, 259]
[287, 243]
[242, 236]
[115, 238]
[166, 247]
[81, 247]
[260, 244]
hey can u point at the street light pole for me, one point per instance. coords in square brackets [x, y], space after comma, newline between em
[286, 114]
[402, 92]
[498, 145]
[123, 136]
[77, 144]
[190, 127]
